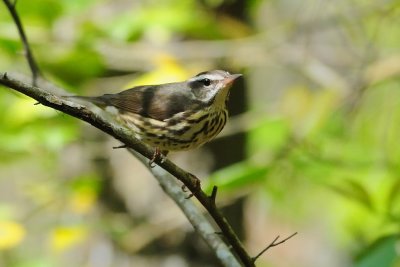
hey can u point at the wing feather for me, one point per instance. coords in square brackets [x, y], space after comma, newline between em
[155, 102]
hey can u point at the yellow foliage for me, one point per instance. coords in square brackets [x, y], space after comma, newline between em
[82, 200]
[167, 69]
[65, 237]
[11, 234]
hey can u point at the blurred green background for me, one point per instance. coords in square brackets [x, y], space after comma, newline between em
[312, 145]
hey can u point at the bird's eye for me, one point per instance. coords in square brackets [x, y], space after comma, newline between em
[206, 82]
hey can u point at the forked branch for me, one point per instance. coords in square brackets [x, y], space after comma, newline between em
[274, 243]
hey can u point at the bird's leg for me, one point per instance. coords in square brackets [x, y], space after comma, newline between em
[154, 158]
[158, 155]
[163, 155]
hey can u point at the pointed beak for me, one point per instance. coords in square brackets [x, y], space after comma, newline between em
[231, 78]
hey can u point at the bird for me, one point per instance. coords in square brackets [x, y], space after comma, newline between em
[173, 116]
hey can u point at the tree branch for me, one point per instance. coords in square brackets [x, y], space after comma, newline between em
[196, 218]
[126, 136]
[28, 53]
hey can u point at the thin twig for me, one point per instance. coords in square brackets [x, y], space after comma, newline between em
[27, 50]
[273, 244]
[127, 137]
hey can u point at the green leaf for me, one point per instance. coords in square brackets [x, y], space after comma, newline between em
[43, 12]
[381, 253]
[236, 175]
[355, 191]
[392, 198]
[76, 66]
[272, 134]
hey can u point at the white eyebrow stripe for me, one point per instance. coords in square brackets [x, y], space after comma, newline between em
[210, 76]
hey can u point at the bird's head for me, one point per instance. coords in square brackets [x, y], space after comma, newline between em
[212, 86]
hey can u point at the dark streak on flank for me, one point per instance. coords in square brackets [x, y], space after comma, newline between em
[168, 138]
[224, 120]
[198, 120]
[209, 127]
[203, 129]
[181, 131]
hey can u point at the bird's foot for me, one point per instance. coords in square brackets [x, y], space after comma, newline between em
[158, 155]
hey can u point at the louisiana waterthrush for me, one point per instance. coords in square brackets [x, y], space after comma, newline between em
[174, 116]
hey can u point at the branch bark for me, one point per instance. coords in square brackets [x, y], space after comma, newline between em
[196, 218]
[126, 136]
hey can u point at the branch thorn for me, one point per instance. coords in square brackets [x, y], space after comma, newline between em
[121, 146]
[213, 195]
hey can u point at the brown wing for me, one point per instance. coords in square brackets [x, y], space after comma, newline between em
[155, 102]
